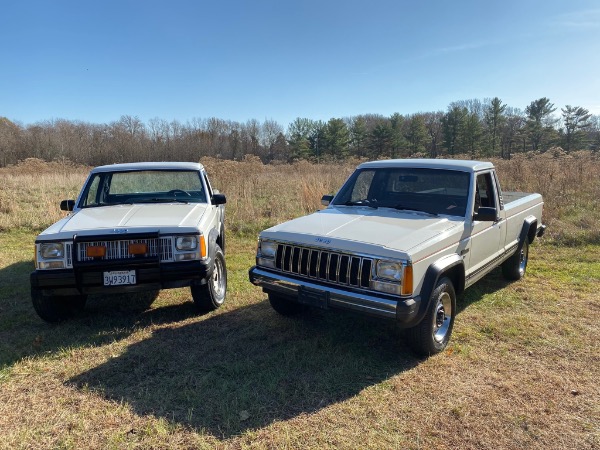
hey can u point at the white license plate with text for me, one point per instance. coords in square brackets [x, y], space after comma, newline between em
[119, 277]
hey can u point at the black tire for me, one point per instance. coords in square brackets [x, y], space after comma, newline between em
[514, 267]
[211, 295]
[433, 333]
[53, 308]
[285, 307]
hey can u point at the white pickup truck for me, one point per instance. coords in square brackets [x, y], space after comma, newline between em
[134, 227]
[400, 240]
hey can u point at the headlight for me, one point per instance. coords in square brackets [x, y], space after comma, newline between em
[186, 243]
[52, 255]
[266, 254]
[389, 270]
[393, 277]
[52, 250]
[267, 249]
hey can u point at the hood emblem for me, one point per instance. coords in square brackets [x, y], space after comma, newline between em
[120, 230]
[323, 241]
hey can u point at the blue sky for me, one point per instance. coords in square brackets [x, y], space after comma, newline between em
[276, 59]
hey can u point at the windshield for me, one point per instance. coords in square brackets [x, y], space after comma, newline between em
[144, 186]
[433, 191]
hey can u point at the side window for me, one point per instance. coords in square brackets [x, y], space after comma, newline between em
[484, 191]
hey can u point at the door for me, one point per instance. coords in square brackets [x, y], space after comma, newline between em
[487, 238]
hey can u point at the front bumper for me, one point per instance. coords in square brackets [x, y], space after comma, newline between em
[403, 310]
[150, 275]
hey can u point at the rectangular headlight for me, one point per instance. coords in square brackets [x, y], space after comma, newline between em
[52, 250]
[267, 249]
[186, 243]
[389, 270]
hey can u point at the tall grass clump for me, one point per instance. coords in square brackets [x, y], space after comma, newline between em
[31, 192]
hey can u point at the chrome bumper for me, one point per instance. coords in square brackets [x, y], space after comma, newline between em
[313, 294]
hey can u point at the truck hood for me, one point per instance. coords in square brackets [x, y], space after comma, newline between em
[399, 231]
[144, 216]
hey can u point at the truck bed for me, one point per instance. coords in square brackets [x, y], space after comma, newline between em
[509, 197]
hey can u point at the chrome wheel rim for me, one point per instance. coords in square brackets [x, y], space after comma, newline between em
[218, 281]
[442, 317]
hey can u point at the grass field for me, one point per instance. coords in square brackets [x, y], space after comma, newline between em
[521, 370]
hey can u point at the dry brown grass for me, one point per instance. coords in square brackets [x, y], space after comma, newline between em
[259, 196]
[521, 371]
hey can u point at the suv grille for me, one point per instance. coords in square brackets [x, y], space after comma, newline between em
[161, 247]
[323, 265]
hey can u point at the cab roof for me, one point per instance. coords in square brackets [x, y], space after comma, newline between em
[447, 164]
[130, 167]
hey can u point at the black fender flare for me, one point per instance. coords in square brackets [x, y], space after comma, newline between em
[529, 231]
[451, 264]
[212, 244]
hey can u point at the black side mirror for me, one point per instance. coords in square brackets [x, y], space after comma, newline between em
[485, 214]
[67, 205]
[326, 200]
[218, 199]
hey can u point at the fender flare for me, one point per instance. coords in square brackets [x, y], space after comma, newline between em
[528, 231]
[212, 244]
[434, 272]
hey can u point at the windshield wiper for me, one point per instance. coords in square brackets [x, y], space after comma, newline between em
[406, 208]
[162, 200]
[370, 203]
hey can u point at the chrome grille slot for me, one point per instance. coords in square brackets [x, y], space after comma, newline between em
[161, 247]
[324, 265]
[69, 254]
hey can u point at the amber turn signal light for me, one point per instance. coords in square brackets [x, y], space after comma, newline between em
[95, 251]
[138, 249]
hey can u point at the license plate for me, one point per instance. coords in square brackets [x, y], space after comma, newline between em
[313, 297]
[119, 277]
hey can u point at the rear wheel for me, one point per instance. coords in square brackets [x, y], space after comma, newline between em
[285, 307]
[211, 295]
[514, 267]
[53, 308]
[432, 334]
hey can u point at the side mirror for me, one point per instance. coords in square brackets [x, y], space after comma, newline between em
[326, 200]
[67, 205]
[218, 199]
[485, 214]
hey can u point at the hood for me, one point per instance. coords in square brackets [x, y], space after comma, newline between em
[382, 227]
[155, 215]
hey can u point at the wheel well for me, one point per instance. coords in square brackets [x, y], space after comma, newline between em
[457, 276]
[221, 239]
[531, 233]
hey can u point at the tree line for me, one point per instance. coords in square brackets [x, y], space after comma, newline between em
[487, 128]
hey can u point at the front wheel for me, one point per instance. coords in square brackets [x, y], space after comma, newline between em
[432, 334]
[514, 267]
[211, 295]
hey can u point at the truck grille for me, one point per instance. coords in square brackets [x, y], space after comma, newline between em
[324, 265]
[161, 247]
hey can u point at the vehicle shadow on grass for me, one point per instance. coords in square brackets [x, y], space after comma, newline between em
[250, 367]
[492, 282]
[105, 319]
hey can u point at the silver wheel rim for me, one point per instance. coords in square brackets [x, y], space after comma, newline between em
[218, 281]
[442, 317]
[523, 259]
